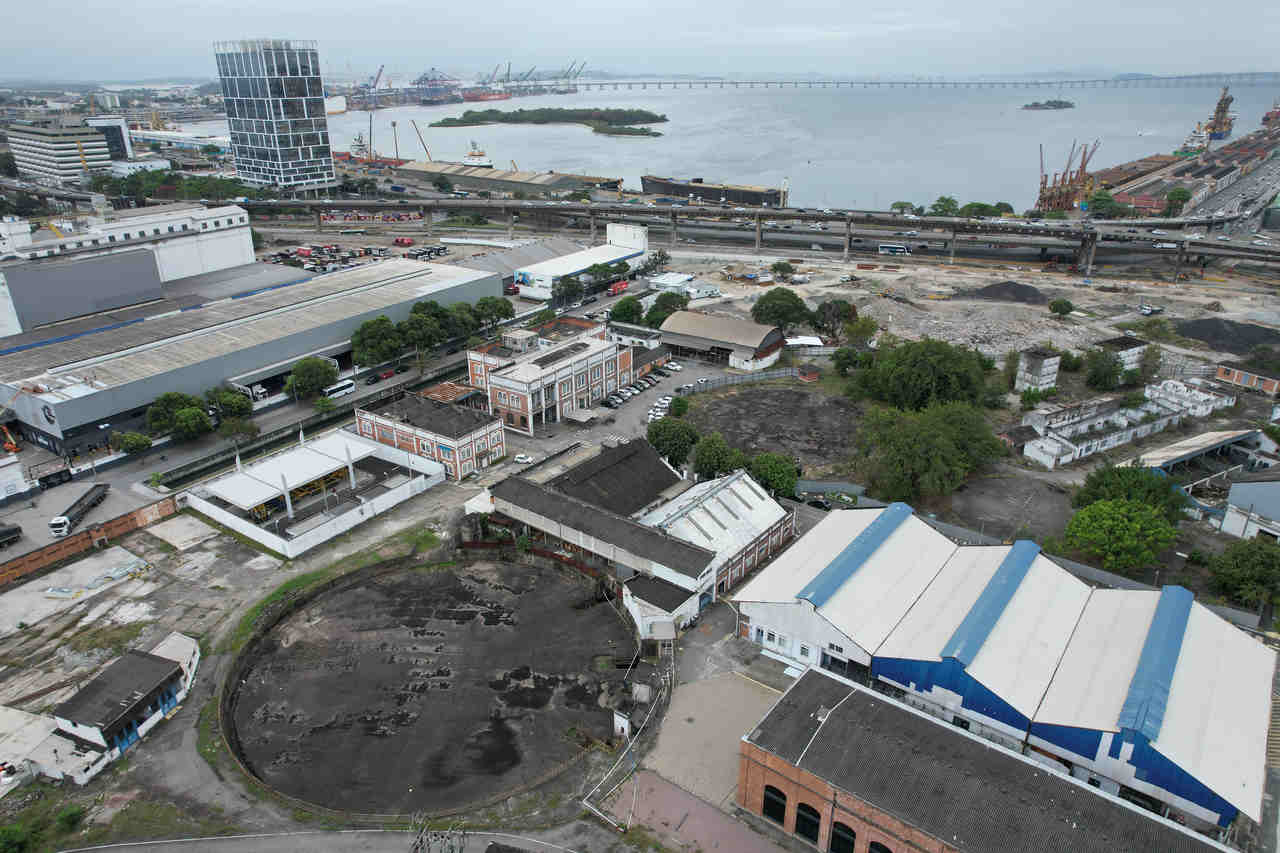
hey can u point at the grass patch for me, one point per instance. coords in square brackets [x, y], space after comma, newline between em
[239, 537]
[1160, 330]
[113, 637]
[209, 741]
[421, 538]
[244, 628]
[148, 819]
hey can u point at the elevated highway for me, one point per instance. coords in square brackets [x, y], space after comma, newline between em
[851, 226]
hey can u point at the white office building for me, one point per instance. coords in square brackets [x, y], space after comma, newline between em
[59, 153]
[275, 110]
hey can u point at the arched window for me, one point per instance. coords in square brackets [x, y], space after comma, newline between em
[843, 838]
[808, 822]
[877, 847]
[775, 805]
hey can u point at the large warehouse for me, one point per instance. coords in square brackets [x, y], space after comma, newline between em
[734, 341]
[71, 390]
[1125, 689]
[622, 243]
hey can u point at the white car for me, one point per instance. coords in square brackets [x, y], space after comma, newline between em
[523, 458]
[1261, 243]
[1195, 237]
[665, 399]
[1158, 232]
[703, 380]
[1224, 237]
[673, 366]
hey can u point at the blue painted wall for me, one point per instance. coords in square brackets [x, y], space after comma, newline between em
[923, 676]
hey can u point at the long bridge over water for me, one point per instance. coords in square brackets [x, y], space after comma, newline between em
[1240, 78]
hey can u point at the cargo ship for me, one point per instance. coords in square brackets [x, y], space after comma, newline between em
[484, 93]
[1222, 121]
[697, 188]
[434, 88]
[1272, 116]
[1052, 104]
[1195, 143]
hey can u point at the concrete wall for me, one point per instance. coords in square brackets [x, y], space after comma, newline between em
[205, 252]
[1238, 522]
[800, 624]
[85, 539]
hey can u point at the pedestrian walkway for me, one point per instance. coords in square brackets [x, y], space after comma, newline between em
[684, 821]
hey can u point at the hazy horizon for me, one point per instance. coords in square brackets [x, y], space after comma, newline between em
[932, 39]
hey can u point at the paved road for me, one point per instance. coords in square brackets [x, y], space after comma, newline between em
[365, 841]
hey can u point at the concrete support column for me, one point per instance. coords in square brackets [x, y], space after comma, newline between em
[591, 218]
[1090, 246]
[951, 259]
[848, 235]
[317, 219]
[758, 232]
[511, 224]
[673, 229]
[424, 216]
[288, 501]
[1182, 259]
[351, 469]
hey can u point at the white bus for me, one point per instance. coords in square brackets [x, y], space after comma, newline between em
[340, 389]
[894, 249]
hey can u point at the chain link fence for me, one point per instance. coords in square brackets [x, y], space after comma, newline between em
[711, 384]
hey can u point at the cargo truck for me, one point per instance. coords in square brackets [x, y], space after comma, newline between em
[61, 525]
[617, 287]
[9, 533]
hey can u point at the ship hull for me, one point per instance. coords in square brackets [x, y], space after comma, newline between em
[471, 97]
[1219, 134]
[652, 185]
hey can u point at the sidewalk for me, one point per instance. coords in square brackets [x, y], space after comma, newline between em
[683, 820]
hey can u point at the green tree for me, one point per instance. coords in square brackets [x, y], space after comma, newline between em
[422, 333]
[944, 206]
[1132, 483]
[258, 241]
[492, 310]
[231, 404]
[712, 456]
[916, 374]
[155, 147]
[977, 210]
[846, 359]
[906, 455]
[860, 331]
[782, 269]
[15, 838]
[1003, 207]
[133, 442]
[775, 472]
[1248, 573]
[69, 818]
[627, 310]
[191, 423]
[376, 341]
[1070, 362]
[161, 414]
[463, 320]
[679, 407]
[782, 308]
[324, 405]
[1009, 370]
[442, 184]
[673, 439]
[312, 375]
[601, 274]
[1121, 534]
[1149, 365]
[546, 315]
[566, 289]
[238, 430]
[831, 316]
[1061, 307]
[1103, 370]
[1175, 200]
[902, 207]
[8, 165]
[655, 262]
[663, 307]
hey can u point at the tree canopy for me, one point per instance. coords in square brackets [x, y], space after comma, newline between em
[162, 413]
[916, 374]
[663, 307]
[421, 332]
[782, 308]
[566, 289]
[1122, 534]
[712, 457]
[376, 341]
[312, 375]
[492, 310]
[1248, 573]
[775, 472]
[1061, 307]
[831, 316]
[627, 310]
[672, 438]
[1103, 370]
[191, 422]
[905, 455]
[1132, 483]
[945, 206]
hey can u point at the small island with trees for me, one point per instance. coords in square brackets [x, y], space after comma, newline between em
[1052, 104]
[610, 122]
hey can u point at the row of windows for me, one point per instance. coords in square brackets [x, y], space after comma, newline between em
[809, 823]
[271, 61]
[272, 87]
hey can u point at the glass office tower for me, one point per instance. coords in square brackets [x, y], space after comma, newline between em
[275, 111]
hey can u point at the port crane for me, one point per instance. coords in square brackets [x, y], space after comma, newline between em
[1072, 185]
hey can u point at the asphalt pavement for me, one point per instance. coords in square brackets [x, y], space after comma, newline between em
[583, 838]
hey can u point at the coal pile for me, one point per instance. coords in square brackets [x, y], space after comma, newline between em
[1228, 335]
[1011, 291]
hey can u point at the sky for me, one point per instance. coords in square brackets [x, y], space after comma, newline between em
[152, 39]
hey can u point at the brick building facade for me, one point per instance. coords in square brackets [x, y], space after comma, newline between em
[462, 440]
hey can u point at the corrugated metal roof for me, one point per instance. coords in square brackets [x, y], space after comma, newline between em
[580, 261]
[1218, 710]
[506, 262]
[263, 480]
[783, 579]
[1188, 447]
[837, 572]
[978, 623]
[715, 327]
[1148, 696]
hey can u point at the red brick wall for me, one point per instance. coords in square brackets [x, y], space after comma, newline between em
[84, 539]
[757, 768]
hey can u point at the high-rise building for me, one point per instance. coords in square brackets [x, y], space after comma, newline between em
[275, 110]
[47, 149]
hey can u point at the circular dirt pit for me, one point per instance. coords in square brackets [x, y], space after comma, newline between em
[428, 689]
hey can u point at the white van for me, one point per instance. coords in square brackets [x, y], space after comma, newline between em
[340, 389]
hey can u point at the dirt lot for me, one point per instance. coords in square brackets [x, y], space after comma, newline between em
[429, 689]
[801, 422]
[1008, 502]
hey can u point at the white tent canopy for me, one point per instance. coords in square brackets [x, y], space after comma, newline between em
[260, 482]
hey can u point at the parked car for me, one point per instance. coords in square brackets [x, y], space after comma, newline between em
[820, 503]
[523, 458]
[587, 300]
[666, 399]
[608, 404]
[660, 372]
[703, 380]
[373, 379]
[402, 368]
[387, 374]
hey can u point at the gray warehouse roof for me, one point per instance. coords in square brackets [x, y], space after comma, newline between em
[436, 417]
[622, 479]
[113, 692]
[94, 363]
[954, 786]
